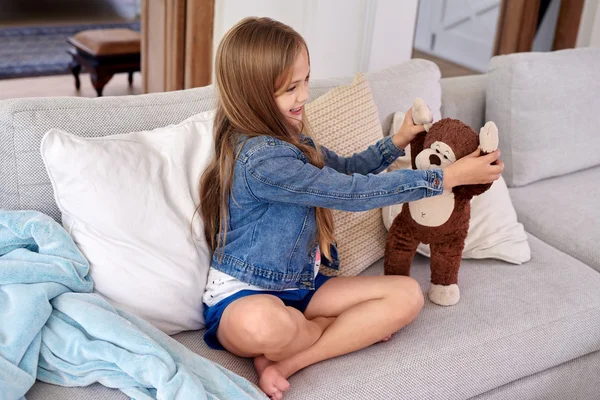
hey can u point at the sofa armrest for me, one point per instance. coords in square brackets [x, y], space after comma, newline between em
[463, 98]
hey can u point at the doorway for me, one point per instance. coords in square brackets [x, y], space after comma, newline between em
[461, 36]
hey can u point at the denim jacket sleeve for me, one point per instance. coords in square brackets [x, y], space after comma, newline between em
[373, 160]
[281, 174]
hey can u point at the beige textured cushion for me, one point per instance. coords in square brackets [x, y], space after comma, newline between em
[346, 120]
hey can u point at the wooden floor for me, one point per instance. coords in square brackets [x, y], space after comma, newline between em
[448, 68]
[64, 85]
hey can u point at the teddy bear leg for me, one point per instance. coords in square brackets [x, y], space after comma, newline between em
[399, 253]
[445, 262]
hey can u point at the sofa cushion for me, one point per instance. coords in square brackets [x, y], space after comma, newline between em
[546, 108]
[23, 123]
[463, 98]
[570, 380]
[346, 121]
[129, 203]
[564, 212]
[513, 321]
[494, 231]
[395, 88]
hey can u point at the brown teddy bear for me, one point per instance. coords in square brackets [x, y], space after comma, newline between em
[440, 221]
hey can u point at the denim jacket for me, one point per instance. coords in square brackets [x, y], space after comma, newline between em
[272, 227]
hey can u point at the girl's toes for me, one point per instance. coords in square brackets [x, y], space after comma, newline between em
[276, 395]
[385, 339]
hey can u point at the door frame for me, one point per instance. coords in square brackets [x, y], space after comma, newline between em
[517, 25]
[177, 38]
[567, 25]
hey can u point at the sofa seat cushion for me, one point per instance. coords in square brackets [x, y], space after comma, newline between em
[512, 321]
[564, 213]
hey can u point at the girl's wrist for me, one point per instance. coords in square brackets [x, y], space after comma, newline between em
[399, 141]
[450, 180]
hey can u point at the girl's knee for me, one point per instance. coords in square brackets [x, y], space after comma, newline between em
[406, 297]
[415, 294]
[268, 323]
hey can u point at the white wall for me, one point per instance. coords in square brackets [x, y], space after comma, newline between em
[344, 36]
[589, 27]
[393, 34]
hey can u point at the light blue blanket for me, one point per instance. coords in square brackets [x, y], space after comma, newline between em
[52, 327]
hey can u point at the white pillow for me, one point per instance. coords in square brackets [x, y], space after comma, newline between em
[494, 231]
[128, 200]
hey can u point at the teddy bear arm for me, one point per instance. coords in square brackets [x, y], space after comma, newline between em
[469, 191]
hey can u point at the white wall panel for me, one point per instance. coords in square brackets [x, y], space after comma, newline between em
[343, 36]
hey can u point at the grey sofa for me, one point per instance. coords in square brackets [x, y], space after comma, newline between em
[528, 331]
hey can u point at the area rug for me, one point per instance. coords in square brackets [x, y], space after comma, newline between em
[41, 51]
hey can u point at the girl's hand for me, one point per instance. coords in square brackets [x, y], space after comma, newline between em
[473, 169]
[407, 131]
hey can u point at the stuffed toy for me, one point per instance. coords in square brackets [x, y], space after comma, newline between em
[441, 221]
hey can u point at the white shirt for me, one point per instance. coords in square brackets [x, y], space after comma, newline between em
[220, 285]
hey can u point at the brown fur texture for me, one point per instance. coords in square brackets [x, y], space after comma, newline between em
[447, 240]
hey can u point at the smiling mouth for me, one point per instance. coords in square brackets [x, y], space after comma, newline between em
[296, 110]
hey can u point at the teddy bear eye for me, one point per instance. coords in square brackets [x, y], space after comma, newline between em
[446, 157]
[437, 151]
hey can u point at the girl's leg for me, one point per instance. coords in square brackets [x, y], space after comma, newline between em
[367, 308]
[262, 325]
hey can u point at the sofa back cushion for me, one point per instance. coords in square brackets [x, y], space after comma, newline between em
[24, 183]
[547, 109]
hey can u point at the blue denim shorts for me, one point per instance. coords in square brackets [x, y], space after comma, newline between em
[298, 299]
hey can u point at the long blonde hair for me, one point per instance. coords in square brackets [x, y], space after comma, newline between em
[254, 61]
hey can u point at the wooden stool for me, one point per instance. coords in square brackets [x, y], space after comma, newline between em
[105, 52]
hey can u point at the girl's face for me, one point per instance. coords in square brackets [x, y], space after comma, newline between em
[291, 99]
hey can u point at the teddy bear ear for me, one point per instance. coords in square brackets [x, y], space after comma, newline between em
[488, 137]
[421, 113]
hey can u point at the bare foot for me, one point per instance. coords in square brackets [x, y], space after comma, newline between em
[260, 363]
[385, 339]
[270, 379]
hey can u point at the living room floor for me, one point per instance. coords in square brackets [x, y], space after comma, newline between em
[64, 85]
[36, 13]
[448, 68]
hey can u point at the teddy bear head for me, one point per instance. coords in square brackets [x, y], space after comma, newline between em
[448, 140]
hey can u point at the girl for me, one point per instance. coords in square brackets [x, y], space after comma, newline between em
[265, 202]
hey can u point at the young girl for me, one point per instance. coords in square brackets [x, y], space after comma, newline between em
[265, 202]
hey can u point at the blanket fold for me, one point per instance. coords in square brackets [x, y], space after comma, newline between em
[53, 328]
